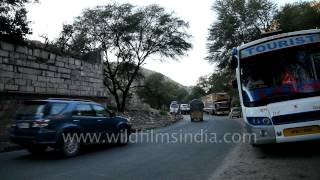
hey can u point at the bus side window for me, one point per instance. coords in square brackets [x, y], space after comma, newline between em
[316, 61]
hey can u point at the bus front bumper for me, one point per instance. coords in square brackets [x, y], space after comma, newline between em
[261, 134]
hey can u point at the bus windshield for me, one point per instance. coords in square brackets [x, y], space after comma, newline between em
[280, 75]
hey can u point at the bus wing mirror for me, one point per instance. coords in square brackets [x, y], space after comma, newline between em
[233, 59]
[234, 84]
[233, 62]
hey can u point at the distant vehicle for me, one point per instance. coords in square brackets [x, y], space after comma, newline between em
[278, 80]
[174, 107]
[45, 123]
[196, 110]
[184, 108]
[235, 112]
[216, 103]
[174, 102]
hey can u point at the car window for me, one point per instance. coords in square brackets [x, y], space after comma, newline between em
[32, 108]
[99, 111]
[83, 110]
[174, 106]
[56, 108]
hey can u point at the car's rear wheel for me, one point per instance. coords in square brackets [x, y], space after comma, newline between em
[36, 149]
[70, 147]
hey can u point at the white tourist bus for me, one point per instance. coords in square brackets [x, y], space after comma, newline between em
[278, 78]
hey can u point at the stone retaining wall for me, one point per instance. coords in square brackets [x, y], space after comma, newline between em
[31, 70]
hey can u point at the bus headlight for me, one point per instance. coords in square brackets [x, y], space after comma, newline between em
[259, 121]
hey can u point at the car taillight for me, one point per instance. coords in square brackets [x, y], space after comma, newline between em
[41, 123]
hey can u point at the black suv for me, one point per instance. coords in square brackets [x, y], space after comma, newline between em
[66, 124]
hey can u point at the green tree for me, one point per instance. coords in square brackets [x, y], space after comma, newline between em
[128, 36]
[158, 91]
[196, 93]
[239, 21]
[299, 16]
[13, 19]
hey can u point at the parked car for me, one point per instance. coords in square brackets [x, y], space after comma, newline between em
[40, 124]
[235, 112]
[184, 108]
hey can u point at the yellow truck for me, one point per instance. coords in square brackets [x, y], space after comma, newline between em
[216, 103]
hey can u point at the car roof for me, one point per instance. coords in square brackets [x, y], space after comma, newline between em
[65, 100]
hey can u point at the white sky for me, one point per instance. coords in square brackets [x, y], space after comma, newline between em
[48, 16]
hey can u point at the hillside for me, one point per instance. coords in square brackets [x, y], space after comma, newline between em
[147, 72]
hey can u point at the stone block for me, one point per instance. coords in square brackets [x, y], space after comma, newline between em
[31, 58]
[23, 56]
[68, 81]
[59, 58]
[51, 90]
[53, 68]
[43, 79]
[34, 65]
[28, 76]
[73, 87]
[44, 55]
[63, 91]
[77, 62]
[56, 80]
[72, 66]
[43, 66]
[26, 70]
[11, 87]
[63, 86]
[30, 52]
[4, 53]
[21, 82]
[52, 56]
[57, 75]
[26, 88]
[66, 76]
[40, 90]
[5, 60]
[64, 70]
[50, 85]
[60, 64]
[50, 74]
[6, 46]
[8, 74]
[71, 61]
[22, 49]
[6, 67]
[36, 53]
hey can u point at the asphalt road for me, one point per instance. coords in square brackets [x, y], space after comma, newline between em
[184, 150]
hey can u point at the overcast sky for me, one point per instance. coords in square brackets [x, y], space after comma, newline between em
[48, 16]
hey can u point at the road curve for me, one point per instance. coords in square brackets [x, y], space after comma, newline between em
[160, 159]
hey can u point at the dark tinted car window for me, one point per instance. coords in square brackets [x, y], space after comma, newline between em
[56, 108]
[32, 108]
[99, 111]
[84, 110]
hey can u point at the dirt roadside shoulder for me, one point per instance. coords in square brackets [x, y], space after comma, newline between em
[293, 161]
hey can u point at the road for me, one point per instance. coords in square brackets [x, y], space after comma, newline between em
[162, 158]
